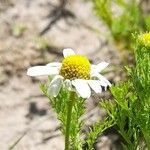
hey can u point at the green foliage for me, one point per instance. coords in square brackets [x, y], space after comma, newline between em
[96, 130]
[147, 22]
[60, 104]
[129, 19]
[131, 110]
[102, 9]
[140, 76]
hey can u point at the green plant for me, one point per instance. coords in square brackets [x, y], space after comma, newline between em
[128, 19]
[60, 105]
[130, 111]
[97, 130]
[70, 83]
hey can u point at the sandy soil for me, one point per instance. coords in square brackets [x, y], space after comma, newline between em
[24, 111]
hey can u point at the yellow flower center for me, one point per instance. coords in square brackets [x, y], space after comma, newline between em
[145, 39]
[75, 67]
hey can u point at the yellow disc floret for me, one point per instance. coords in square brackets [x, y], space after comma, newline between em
[145, 39]
[75, 67]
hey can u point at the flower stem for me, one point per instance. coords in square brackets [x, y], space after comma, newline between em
[68, 121]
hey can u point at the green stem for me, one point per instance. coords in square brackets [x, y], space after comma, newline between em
[69, 113]
[147, 139]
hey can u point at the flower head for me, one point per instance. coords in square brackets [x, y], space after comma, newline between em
[74, 67]
[145, 39]
[75, 72]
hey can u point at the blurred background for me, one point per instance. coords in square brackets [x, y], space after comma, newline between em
[34, 32]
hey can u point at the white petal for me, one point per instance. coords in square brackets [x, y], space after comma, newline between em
[99, 67]
[103, 81]
[95, 85]
[54, 64]
[68, 84]
[55, 86]
[82, 88]
[68, 52]
[42, 70]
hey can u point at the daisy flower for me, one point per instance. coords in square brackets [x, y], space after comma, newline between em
[75, 72]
